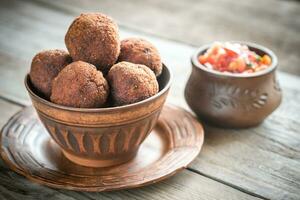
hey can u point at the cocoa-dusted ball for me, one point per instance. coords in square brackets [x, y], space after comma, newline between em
[140, 51]
[94, 38]
[80, 85]
[44, 68]
[131, 83]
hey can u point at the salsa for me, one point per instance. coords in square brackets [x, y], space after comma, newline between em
[233, 58]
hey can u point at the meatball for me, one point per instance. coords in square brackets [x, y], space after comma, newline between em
[80, 85]
[131, 83]
[44, 68]
[140, 51]
[94, 38]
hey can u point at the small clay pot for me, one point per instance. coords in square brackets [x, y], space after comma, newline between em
[233, 100]
[101, 137]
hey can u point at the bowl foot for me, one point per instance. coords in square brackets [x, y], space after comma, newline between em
[98, 163]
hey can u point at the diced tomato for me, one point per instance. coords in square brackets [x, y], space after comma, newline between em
[232, 66]
[202, 59]
[222, 69]
[241, 65]
[252, 56]
[211, 60]
[222, 61]
[234, 58]
[230, 52]
[266, 60]
[215, 50]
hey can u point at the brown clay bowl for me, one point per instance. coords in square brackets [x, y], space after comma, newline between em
[233, 100]
[101, 137]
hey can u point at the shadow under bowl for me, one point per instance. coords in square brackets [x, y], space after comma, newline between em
[101, 137]
[233, 100]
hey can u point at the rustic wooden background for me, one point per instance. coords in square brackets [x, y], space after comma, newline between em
[257, 163]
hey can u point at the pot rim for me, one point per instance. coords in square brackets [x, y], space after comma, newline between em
[102, 110]
[196, 63]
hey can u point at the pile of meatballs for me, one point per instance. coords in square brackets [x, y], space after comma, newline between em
[98, 70]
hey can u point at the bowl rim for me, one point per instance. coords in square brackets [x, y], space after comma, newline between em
[105, 109]
[196, 63]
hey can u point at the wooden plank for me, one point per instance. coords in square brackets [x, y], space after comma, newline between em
[7, 110]
[274, 24]
[15, 61]
[262, 160]
[185, 185]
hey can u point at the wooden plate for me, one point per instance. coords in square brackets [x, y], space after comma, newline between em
[27, 148]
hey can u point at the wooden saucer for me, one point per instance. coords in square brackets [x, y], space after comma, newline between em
[174, 142]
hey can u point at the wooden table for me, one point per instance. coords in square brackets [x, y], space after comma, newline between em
[256, 163]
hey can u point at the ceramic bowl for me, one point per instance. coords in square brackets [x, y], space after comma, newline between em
[233, 100]
[101, 137]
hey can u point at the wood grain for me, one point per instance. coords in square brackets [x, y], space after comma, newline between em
[15, 187]
[261, 161]
[7, 110]
[272, 23]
